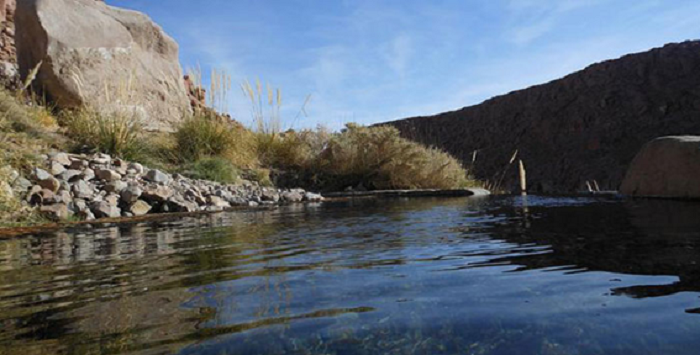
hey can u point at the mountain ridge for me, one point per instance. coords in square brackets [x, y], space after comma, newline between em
[585, 126]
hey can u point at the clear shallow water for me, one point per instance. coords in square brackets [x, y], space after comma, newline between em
[497, 275]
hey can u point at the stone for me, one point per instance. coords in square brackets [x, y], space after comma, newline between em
[41, 174]
[101, 159]
[107, 47]
[112, 199]
[64, 197]
[107, 175]
[32, 193]
[131, 194]
[180, 205]
[194, 195]
[82, 189]
[79, 164]
[157, 194]
[61, 158]
[56, 212]
[78, 206]
[50, 184]
[157, 176]
[253, 204]
[139, 208]
[56, 168]
[292, 196]
[88, 174]
[217, 202]
[105, 210]
[312, 197]
[70, 175]
[270, 195]
[138, 168]
[665, 167]
[21, 184]
[116, 186]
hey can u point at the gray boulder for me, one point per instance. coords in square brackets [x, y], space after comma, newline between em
[157, 176]
[56, 168]
[105, 210]
[116, 186]
[312, 197]
[665, 167]
[86, 45]
[131, 194]
[82, 189]
[157, 194]
[70, 175]
[292, 196]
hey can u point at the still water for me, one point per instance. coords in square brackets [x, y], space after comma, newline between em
[494, 275]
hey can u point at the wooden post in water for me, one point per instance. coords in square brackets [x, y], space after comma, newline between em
[523, 179]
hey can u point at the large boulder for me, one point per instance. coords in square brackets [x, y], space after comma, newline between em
[109, 58]
[665, 167]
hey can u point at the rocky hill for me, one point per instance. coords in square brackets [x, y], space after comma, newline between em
[586, 126]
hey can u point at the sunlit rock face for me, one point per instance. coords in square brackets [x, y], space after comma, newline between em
[586, 126]
[95, 54]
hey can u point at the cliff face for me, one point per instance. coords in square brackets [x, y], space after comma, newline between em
[586, 126]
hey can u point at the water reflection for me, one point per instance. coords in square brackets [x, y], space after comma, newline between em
[472, 275]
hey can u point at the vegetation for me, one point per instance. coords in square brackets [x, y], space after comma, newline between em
[25, 132]
[213, 169]
[117, 132]
[210, 146]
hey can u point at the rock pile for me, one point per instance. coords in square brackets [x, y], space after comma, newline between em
[98, 186]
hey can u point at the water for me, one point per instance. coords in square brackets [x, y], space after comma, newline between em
[496, 275]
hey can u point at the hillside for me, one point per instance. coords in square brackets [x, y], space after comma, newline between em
[585, 126]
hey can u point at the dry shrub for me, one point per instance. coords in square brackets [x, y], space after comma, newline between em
[378, 158]
[203, 135]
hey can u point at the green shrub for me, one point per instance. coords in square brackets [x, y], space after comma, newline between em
[204, 135]
[214, 169]
[116, 132]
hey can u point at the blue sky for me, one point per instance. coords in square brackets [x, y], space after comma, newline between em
[370, 61]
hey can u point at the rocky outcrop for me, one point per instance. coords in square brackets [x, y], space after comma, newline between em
[587, 126]
[98, 186]
[9, 73]
[96, 54]
[665, 167]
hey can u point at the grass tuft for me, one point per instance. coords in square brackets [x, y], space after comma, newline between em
[118, 132]
[213, 169]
